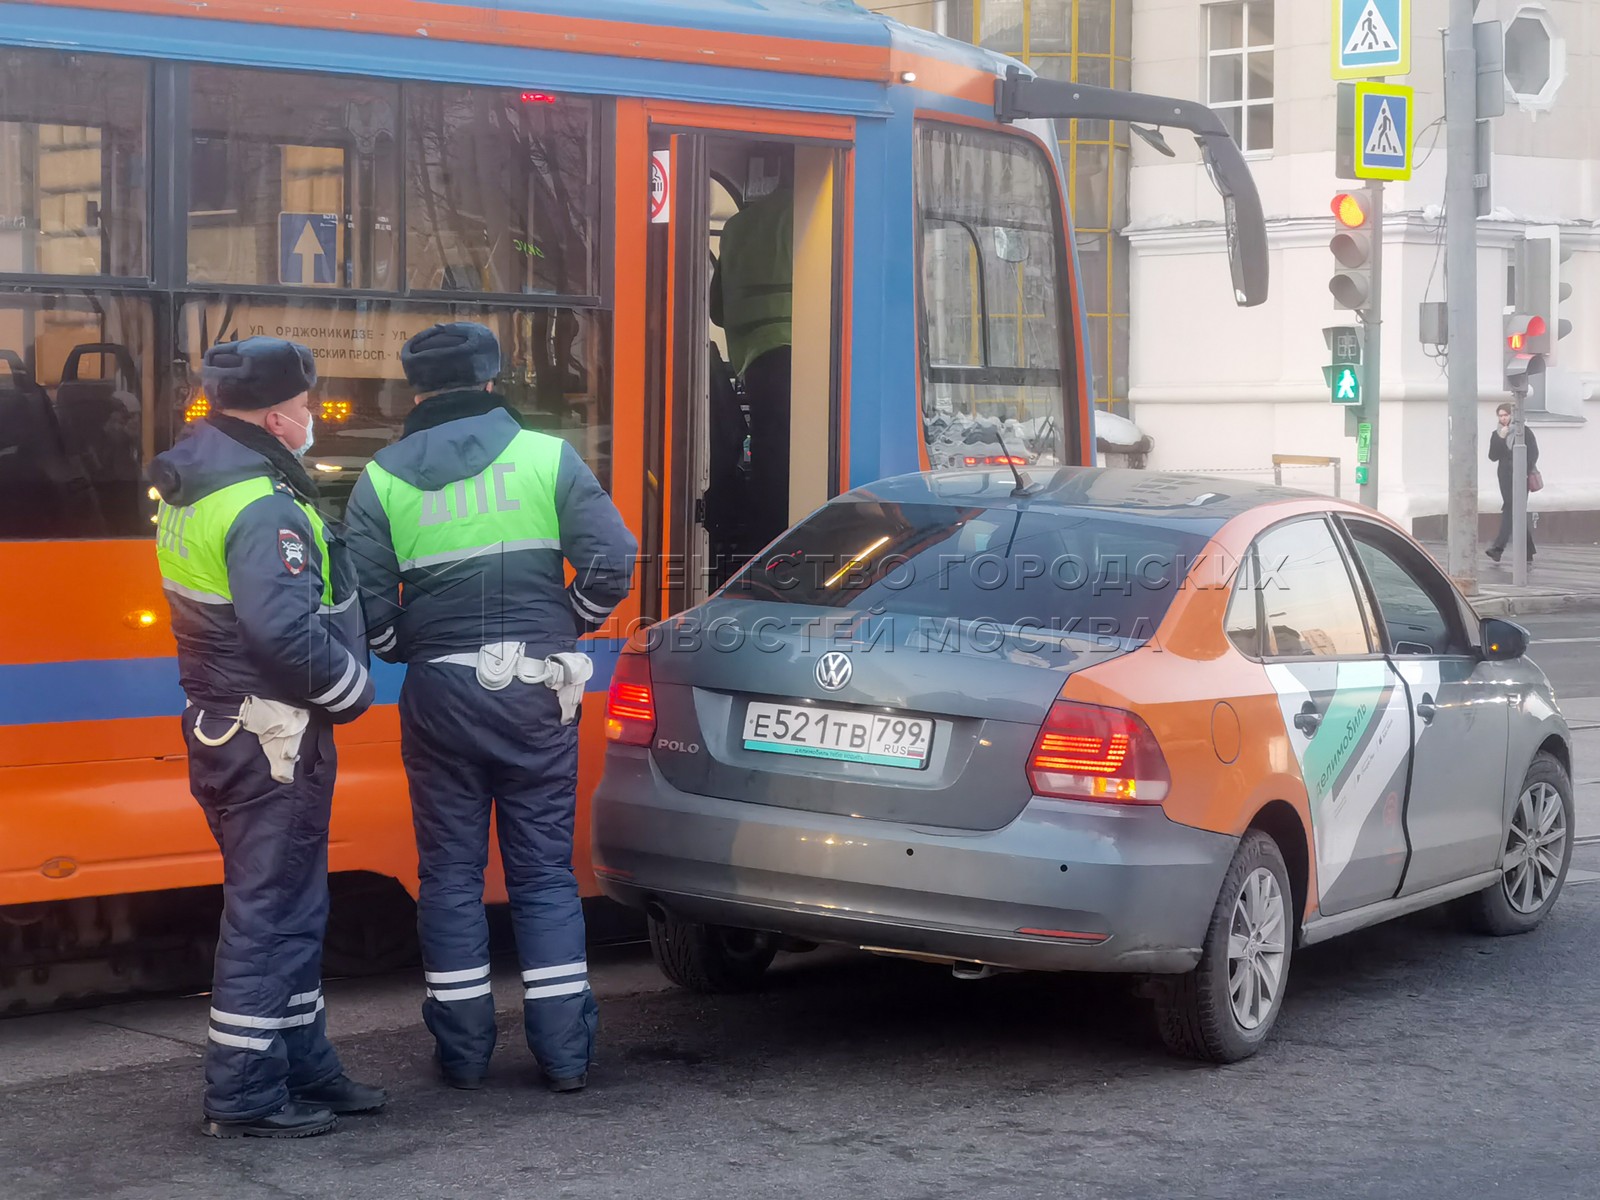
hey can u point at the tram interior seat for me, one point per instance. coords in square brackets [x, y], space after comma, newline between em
[100, 428]
[42, 492]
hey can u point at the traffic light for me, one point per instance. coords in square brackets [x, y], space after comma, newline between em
[1539, 287]
[1523, 332]
[1351, 285]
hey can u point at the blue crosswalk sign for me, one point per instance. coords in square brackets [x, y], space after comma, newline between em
[1383, 131]
[1371, 38]
[308, 248]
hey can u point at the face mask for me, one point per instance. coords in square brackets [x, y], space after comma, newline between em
[305, 447]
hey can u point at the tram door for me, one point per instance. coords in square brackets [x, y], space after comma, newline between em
[744, 328]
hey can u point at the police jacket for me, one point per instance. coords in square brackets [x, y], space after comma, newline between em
[263, 600]
[460, 530]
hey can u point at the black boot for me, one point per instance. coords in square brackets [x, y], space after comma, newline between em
[293, 1120]
[1494, 552]
[572, 1083]
[344, 1095]
[461, 1082]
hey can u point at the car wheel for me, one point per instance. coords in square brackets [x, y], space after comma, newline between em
[1225, 1008]
[1538, 851]
[710, 958]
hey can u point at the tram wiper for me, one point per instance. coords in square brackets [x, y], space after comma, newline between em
[1021, 98]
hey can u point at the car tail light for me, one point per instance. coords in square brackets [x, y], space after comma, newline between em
[631, 704]
[1086, 752]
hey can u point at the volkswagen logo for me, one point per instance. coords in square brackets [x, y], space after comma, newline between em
[834, 670]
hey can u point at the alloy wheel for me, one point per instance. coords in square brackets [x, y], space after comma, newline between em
[1535, 848]
[1256, 949]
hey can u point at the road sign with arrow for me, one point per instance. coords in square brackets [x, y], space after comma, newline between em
[308, 248]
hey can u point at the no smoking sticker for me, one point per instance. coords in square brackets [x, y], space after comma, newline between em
[660, 187]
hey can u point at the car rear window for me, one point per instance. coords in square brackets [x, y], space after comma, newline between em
[1071, 571]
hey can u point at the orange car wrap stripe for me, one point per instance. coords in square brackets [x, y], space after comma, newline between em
[1211, 709]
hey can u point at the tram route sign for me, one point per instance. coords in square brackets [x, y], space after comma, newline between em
[1371, 38]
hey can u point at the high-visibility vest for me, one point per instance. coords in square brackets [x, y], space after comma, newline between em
[192, 541]
[757, 271]
[509, 505]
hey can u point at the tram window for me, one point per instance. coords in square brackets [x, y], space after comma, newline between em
[553, 370]
[502, 191]
[77, 424]
[72, 163]
[293, 179]
[991, 272]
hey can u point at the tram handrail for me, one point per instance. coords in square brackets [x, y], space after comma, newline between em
[1025, 97]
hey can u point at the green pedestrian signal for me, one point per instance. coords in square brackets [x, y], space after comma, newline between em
[1346, 385]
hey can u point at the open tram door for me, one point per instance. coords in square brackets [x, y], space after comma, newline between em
[744, 342]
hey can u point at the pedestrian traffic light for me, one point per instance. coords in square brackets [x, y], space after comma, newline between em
[1523, 331]
[1351, 285]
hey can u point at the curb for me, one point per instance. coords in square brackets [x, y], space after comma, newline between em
[1528, 606]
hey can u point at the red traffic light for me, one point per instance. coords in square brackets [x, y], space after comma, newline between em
[1349, 210]
[1536, 329]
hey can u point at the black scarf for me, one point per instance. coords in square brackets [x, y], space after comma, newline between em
[285, 463]
[453, 406]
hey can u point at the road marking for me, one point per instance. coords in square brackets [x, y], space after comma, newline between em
[1544, 641]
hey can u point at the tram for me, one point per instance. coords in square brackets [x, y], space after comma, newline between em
[174, 174]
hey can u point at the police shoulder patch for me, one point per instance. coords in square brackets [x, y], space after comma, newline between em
[292, 551]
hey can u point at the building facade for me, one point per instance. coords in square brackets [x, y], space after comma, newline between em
[1223, 390]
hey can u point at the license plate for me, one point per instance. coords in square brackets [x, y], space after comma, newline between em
[838, 734]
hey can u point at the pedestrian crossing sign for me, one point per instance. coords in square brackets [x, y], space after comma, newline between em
[1371, 38]
[1383, 141]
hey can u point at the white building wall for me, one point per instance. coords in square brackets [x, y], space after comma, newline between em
[1223, 389]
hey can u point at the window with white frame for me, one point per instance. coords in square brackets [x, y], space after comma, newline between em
[1239, 69]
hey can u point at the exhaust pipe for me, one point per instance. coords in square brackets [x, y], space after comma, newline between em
[655, 910]
[972, 970]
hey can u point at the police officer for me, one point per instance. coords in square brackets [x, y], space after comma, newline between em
[270, 658]
[752, 300]
[474, 516]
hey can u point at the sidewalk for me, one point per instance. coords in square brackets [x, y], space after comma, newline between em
[1561, 578]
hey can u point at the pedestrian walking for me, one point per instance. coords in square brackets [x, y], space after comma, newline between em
[270, 658]
[1500, 449]
[463, 529]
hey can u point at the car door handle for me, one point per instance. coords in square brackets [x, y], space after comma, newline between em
[1427, 709]
[1308, 720]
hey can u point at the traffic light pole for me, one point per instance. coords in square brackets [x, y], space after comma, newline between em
[1372, 350]
[1519, 485]
[1461, 273]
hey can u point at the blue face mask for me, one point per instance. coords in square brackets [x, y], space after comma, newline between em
[305, 447]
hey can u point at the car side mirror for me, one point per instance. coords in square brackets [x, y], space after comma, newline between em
[1503, 641]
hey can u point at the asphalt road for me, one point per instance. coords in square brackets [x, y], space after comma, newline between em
[1411, 1061]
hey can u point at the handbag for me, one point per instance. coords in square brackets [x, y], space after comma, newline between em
[1535, 481]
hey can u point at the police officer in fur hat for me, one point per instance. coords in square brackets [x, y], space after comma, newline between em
[271, 658]
[476, 517]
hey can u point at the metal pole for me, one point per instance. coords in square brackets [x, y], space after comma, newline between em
[1372, 350]
[1519, 487]
[1461, 269]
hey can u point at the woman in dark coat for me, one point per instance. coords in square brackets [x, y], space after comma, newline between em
[1500, 455]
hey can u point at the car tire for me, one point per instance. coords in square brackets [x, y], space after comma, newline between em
[1531, 884]
[1198, 1014]
[710, 958]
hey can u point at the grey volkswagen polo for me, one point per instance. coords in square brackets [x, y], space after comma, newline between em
[1103, 720]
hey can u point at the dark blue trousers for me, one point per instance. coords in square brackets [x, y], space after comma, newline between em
[467, 751]
[268, 1033]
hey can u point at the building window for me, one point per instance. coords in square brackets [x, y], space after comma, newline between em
[1239, 70]
[293, 180]
[1081, 41]
[72, 164]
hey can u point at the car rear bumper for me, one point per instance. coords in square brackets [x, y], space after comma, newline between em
[1064, 887]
